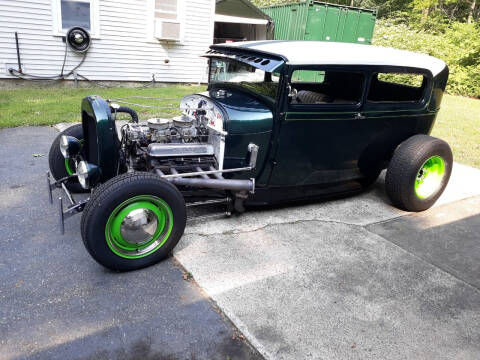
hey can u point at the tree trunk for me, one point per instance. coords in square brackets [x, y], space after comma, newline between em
[425, 13]
[471, 11]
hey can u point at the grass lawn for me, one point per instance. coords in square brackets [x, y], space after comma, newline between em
[48, 106]
[458, 122]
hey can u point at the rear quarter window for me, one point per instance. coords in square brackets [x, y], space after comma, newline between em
[396, 87]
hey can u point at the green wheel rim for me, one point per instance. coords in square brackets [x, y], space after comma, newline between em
[68, 167]
[429, 177]
[163, 217]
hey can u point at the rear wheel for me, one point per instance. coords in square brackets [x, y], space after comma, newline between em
[418, 172]
[133, 221]
[61, 167]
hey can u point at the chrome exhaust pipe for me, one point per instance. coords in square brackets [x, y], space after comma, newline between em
[221, 184]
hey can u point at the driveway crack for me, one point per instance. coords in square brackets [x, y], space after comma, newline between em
[262, 227]
[337, 222]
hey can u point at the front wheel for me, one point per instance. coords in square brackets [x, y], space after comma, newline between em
[418, 172]
[132, 221]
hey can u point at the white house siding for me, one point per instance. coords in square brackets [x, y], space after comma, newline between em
[122, 52]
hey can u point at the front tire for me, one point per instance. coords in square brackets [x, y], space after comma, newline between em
[133, 221]
[418, 172]
[61, 167]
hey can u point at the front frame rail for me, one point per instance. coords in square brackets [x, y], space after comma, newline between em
[75, 206]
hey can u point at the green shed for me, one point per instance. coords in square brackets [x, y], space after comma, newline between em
[315, 20]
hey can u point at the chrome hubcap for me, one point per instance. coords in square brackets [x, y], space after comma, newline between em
[139, 226]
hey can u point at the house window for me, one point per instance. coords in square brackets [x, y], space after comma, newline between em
[75, 13]
[70, 13]
[168, 20]
[166, 9]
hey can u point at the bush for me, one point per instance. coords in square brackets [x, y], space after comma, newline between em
[458, 44]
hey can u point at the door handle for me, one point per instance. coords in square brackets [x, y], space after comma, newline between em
[359, 116]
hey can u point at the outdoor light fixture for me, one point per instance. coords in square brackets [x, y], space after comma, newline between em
[69, 146]
[88, 174]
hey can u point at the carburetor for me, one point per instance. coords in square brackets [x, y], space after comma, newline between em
[179, 129]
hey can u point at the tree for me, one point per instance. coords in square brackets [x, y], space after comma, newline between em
[471, 12]
[411, 11]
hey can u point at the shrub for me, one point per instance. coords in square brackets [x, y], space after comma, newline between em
[458, 45]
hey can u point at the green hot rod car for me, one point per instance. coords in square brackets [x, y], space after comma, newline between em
[281, 121]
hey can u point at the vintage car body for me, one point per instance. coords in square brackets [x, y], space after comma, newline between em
[297, 164]
[282, 121]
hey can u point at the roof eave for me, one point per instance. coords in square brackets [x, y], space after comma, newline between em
[247, 3]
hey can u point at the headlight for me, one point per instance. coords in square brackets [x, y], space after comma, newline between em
[88, 174]
[69, 146]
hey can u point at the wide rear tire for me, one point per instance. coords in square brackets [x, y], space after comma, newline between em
[418, 172]
[61, 167]
[132, 221]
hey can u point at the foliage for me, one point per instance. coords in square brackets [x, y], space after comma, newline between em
[458, 45]
[415, 10]
[414, 80]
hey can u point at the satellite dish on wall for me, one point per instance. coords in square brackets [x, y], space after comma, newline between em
[78, 39]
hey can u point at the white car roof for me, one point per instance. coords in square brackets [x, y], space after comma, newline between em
[337, 53]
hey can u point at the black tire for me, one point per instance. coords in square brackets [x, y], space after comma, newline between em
[56, 161]
[407, 161]
[105, 201]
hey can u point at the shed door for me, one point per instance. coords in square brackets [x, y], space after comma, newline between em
[324, 135]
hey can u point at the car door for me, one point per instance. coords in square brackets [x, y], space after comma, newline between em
[397, 100]
[323, 132]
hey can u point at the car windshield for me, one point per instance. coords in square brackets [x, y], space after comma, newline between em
[253, 79]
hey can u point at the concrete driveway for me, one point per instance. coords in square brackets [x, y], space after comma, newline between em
[347, 279]
[351, 278]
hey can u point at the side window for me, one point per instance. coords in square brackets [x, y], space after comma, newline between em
[326, 87]
[308, 76]
[396, 87]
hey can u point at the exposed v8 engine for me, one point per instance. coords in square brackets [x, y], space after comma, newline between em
[196, 137]
[181, 129]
